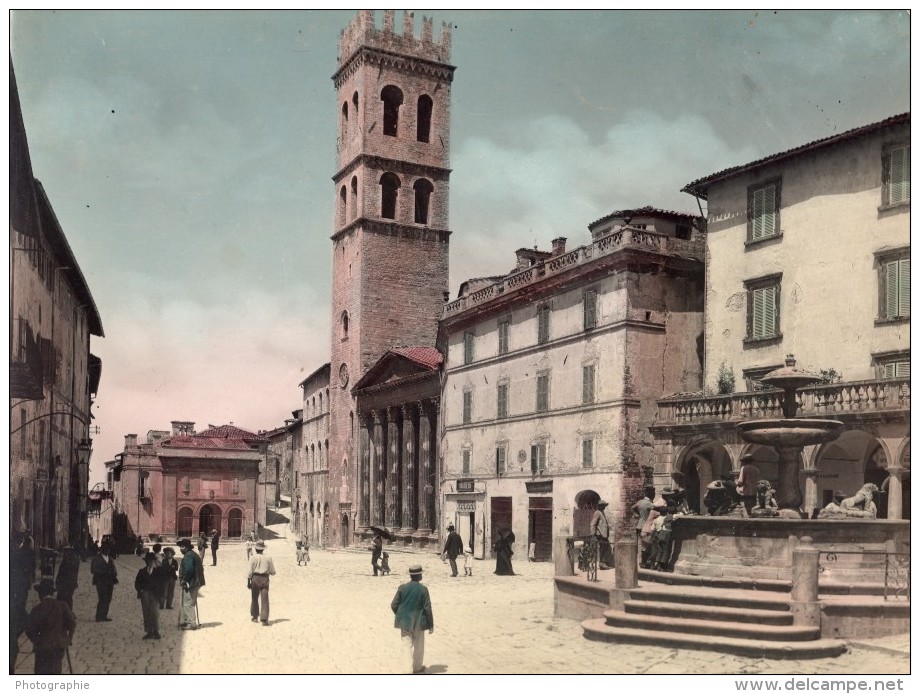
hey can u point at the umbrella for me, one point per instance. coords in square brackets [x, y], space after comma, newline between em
[383, 532]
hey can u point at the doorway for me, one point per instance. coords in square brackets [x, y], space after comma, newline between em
[501, 517]
[209, 519]
[540, 529]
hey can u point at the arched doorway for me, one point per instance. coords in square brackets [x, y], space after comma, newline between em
[344, 530]
[235, 523]
[184, 523]
[700, 464]
[209, 519]
[847, 463]
[585, 505]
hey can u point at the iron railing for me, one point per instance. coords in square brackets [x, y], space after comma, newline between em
[584, 554]
[897, 569]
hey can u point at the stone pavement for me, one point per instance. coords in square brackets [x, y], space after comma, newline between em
[334, 617]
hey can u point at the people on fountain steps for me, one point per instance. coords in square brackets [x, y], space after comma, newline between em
[748, 477]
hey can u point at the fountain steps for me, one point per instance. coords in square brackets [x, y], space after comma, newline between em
[727, 620]
[765, 585]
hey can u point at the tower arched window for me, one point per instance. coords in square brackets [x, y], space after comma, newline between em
[344, 119]
[389, 190]
[343, 197]
[354, 197]
[320, 403]
[354, 102]
[423, 119]
[392, 98]
[344, 325]
[423, 190]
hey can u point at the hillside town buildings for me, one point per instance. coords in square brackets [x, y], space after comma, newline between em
[54, 376]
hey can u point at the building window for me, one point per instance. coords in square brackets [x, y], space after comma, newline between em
[542, 392]
[343, 202]
[590, 309]
[892, 364]
[683, 232]
[543, 324]
[143, 485]
[894, 286]
[423, 119]
[467, 348]
[502, 400]
[389, 192]
[537, 458]
[587, 453]
[752, 377]
[235, 489]
[896, 175]
[354, 197]
[503, 336]
[587, 384]
[392, 98]
[763, 308]
[467, 406]
[466, 460]
[500, 461]
[344, 325]
[763, 211]
[423, 189]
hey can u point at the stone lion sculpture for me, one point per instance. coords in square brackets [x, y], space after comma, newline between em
[860, 505]
[765, 502]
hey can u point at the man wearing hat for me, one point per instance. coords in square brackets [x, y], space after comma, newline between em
[50, 627]
[215, 541]
[191, 579]
[600, 528]
[453, 548]
[412, 607]
[260, 568]
[746, 486]
[171, 567]
[150, 584]
[105, 576]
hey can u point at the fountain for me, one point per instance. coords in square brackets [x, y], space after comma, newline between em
[789, 435]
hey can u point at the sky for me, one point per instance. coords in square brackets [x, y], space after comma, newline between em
[189, 154]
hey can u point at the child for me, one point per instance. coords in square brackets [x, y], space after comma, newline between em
[468, 561]
[303, 552]
[249, 544]
[385, 564]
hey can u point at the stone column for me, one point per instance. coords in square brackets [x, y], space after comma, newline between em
[626, 571]
[895, 501]
[364, 471]
[393, 515]
[426, 520]
[409, 513]
[379, 466]
[805, 608]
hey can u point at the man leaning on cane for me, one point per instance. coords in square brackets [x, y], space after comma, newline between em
[191, 579]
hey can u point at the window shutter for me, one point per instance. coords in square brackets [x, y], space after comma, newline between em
[758, 313]
[891, 289]
[899, 175]
[764, 221]
[904, 287]
[534, 460]
[890, 369]
[590, 309]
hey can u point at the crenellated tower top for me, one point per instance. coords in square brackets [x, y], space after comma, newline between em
[362, 32]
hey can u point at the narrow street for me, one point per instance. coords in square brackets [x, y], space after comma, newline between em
[333, 617]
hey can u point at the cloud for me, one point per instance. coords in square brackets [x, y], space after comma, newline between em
[553, 180]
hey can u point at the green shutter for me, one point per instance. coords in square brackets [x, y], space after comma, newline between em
[590, 309]
[891, 289]
[904, 288]
[764, 319]
[899, 175]
[764, 217]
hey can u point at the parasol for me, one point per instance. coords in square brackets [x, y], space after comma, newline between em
[383, 532]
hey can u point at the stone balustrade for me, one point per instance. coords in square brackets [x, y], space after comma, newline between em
[825, 400]
[626, 238]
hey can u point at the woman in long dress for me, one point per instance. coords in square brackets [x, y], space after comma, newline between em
[503, 554]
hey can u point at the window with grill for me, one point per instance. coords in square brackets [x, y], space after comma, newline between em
[503, 336]
[590, 309]
[542, 392]
[763, 305]
[500, 461]
[587, 384]
[502, 410]
[543, 324]
[467, 454]
[763, 211]
[467, 406]
[468, 348]
[896, 175]
[895, 280]
[587, 453]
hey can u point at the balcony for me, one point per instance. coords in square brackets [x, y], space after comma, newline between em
[836, 401]
[626, 238]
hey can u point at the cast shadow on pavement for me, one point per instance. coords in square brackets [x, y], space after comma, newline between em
[436, 670]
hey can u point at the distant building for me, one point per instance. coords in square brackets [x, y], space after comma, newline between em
[189, 482]
[53, 375]
[808, 253]
[310, 500]
[284, 445]
[552, 372]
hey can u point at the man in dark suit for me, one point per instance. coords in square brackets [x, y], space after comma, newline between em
[105, 576]
[412, 607]
[191, 578]
[150, 584]
[453, 548]
[215, 540]
[50, 627]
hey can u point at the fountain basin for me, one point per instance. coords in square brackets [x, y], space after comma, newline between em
[790, 432]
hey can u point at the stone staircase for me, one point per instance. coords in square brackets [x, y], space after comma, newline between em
[741, 621]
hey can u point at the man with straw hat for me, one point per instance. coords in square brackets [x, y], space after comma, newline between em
[412, 607]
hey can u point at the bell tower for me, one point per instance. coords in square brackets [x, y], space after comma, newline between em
[390, 236]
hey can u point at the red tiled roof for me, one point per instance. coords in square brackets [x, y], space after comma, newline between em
[428, 357]
[699, 187]
[228, 431]
[647, 211]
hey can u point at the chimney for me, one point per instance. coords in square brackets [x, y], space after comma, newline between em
[559, 245]
[524, 259]
[130, 440]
